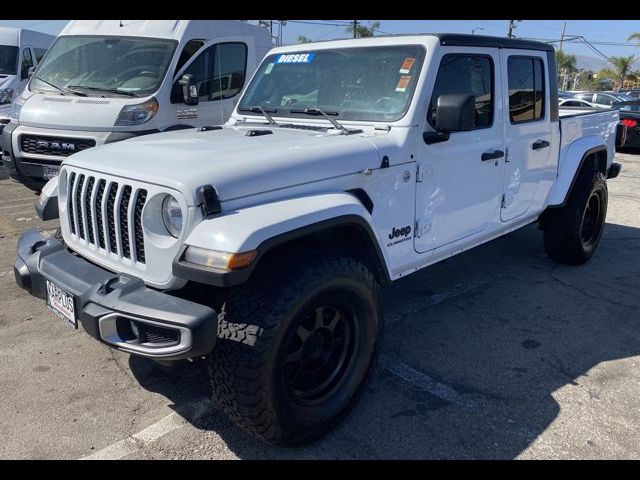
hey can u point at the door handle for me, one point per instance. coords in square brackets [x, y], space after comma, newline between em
[540, 144]
[492, 155]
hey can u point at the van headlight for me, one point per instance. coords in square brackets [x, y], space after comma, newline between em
[172, 215]
[6, 94]
[16, 107]
[137, 114]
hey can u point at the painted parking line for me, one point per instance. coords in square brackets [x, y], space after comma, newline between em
[143, 438]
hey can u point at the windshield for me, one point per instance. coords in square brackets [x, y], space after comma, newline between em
[105, 66]
[371, 83]
[8, 59]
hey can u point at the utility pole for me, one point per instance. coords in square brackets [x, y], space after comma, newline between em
[355, 28]
[512, 25]
[562, 36]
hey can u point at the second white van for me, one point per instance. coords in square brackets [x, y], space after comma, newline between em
[108, 80]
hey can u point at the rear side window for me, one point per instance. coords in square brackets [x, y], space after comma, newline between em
[526, 89]
[39, 53]
[462, 73]
[604, 99]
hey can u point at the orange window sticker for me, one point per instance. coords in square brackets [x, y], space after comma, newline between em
[408, 63]
[403, 83]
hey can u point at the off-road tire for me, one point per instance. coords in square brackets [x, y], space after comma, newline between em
[259, 321]
[564, 227]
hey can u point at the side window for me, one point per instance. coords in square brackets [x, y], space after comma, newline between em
[188, 51]
[461, 73]
[39, 53]
[526, 89]
[230, 70]
[604, 99]
[202, 70]
[27, 62]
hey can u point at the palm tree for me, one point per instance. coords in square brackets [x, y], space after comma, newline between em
[634, 36]
[303, 39]
[622, 66]
[365, 30]
[565, 61]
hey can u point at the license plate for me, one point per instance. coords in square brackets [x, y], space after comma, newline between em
[49, 172]
[61, 303]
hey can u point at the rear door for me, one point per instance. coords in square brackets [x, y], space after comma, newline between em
[527, 130]
[460, 180]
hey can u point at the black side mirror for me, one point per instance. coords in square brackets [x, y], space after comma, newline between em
[30, 71]
[189, 89]
[456, 112]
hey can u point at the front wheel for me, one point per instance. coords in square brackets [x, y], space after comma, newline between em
[296, 346]
[572, 232]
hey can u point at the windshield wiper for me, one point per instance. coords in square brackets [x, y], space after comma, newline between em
[317, 111]
[264, 112]
[108, 90]
[61, 89]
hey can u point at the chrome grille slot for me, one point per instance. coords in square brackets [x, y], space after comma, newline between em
[72, 223]
[107, 215]
[88, 208]
[124, 221]
[78, 208]
[99, 218]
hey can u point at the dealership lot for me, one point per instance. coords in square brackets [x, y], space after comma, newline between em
[495, 353]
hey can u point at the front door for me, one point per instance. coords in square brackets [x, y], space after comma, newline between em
[528, 164]
[459, 184]
[219, 70]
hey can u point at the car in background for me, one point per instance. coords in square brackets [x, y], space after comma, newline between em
[575, 102]
[629, 113]
[562, 94]
[632, 93]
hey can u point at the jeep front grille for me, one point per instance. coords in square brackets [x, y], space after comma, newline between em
[107, 214]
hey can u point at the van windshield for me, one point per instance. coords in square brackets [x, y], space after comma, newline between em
[8, 59]
[357, 83]
[104, 66]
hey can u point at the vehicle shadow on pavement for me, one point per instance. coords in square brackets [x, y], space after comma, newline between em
[482, 354]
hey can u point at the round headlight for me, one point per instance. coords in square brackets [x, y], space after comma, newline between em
[172, 215]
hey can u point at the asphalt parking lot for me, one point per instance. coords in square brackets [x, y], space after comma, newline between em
[495, 353]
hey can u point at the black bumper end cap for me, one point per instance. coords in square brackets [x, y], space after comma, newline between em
[23, 277]
[614, 170]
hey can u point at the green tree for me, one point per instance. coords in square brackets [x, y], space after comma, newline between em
[634, 36]
[622, 66]
[565, 61]
[303, 39]
[365, 30]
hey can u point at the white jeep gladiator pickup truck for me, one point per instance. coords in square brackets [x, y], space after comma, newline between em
[261, 243]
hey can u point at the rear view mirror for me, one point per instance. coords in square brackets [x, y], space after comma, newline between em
[30, 71]
[456, 112]
[189, 89]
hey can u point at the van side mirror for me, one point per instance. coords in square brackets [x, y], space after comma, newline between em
[30, 72]
[456, 112]
[189, 89]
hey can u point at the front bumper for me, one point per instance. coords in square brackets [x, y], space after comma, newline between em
[106, 303]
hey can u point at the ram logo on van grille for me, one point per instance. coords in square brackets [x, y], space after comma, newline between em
[56, 147]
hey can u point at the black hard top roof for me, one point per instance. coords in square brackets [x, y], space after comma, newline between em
[465, 40]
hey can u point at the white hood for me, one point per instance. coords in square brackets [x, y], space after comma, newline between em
[237, 165]
[73, 113]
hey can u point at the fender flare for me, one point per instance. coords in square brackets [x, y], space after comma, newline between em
[570, 167]
[267, 226]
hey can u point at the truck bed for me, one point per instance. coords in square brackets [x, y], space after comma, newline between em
[577, 123]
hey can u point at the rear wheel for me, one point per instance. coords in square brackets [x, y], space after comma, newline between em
[296, 346]
[572, 232]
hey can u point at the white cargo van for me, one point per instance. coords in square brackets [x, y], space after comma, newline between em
[108, 80]
[20, 49]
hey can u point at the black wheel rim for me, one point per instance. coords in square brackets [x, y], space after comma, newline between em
[591, 220]
[320, 351]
